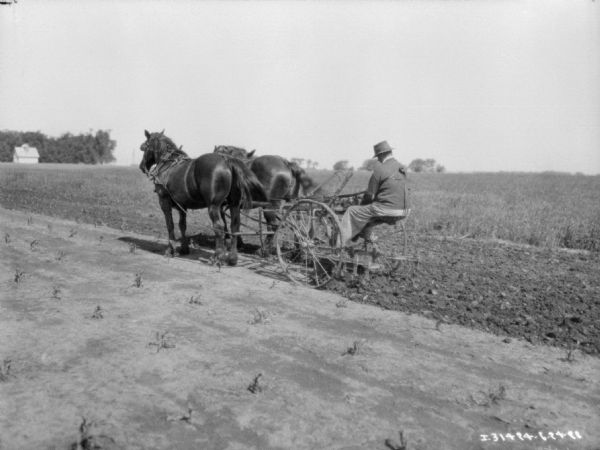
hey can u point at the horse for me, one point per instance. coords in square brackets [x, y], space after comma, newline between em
[208, 181]
[280, 178]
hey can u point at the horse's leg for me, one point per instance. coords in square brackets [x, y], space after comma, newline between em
[272, 222]
[165, 205]
[215, 217]
[185, 243]
[234, 211]
[224, 219]
[225, 229]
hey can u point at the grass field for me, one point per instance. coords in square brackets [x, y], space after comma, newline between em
[544, 209]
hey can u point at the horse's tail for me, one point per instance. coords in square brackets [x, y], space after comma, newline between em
[245, 185]
[300, 176]
[295, 168]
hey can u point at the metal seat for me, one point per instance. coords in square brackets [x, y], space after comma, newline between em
[389, 220]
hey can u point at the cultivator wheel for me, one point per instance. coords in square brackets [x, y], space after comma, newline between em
[308, 243]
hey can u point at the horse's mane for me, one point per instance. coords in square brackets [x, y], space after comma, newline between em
[230, 150]
[169, 148]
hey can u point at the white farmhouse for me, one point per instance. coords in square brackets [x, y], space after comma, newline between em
[26, 155]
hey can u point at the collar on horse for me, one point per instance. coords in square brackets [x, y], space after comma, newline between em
[159, 174]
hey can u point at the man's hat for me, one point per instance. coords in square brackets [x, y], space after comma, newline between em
[382, 147]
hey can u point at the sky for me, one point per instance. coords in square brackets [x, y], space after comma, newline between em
[476, 85]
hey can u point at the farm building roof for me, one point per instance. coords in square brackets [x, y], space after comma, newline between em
[25, 151]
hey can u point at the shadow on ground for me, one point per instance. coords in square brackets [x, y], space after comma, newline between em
[199, 245]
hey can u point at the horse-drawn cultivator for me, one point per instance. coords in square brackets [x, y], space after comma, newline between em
[305, 230]
[308, 243]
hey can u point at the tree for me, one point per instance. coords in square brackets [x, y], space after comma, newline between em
[8, 141]
[104, 146]
[440, 169]
[369, 164]
[68, 148]
[341, 165]
[422, 165]
[298, 161]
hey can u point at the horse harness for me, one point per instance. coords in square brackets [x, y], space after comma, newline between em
[159, 174]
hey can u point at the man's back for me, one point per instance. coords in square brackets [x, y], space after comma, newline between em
[388, 185]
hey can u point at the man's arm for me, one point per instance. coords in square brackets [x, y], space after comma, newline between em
[372, 188]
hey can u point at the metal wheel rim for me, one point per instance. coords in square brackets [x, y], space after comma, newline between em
[319, 259]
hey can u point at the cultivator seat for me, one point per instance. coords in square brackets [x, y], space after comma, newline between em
[387, 255]
[389, 220]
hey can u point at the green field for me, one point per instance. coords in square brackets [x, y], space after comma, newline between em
[543, 209]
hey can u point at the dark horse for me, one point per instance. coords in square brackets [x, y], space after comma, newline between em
[280, 178]
[208, 181]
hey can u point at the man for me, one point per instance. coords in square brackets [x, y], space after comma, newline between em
[385, 196]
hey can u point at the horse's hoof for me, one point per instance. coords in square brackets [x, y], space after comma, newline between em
[232, 260]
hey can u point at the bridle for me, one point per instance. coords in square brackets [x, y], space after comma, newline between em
[162, 164]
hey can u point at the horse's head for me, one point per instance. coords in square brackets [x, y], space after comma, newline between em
[156, 147]
[151, 149]
[235, 152]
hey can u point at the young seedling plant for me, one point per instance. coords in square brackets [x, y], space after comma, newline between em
[55, 293]
[137, 280]
[573, 344]
[354, 349]
[195, 300]
[98, 313]
[5, 370]
[161, 341]
[255, 386]
[492, 397]
[87, 440]
[259, 317]
[393, 445]
[187, 418]
[18, 276]
[570, 356]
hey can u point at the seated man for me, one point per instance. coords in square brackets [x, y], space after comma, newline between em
[386, 196]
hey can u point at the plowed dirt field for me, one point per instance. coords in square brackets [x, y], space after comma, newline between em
[103, 341]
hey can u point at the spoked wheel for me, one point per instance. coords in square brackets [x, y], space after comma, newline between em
[308, 243]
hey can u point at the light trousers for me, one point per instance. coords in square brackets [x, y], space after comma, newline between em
[357, 217]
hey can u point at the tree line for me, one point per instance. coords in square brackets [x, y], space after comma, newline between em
[416, 165]
[88, 148]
